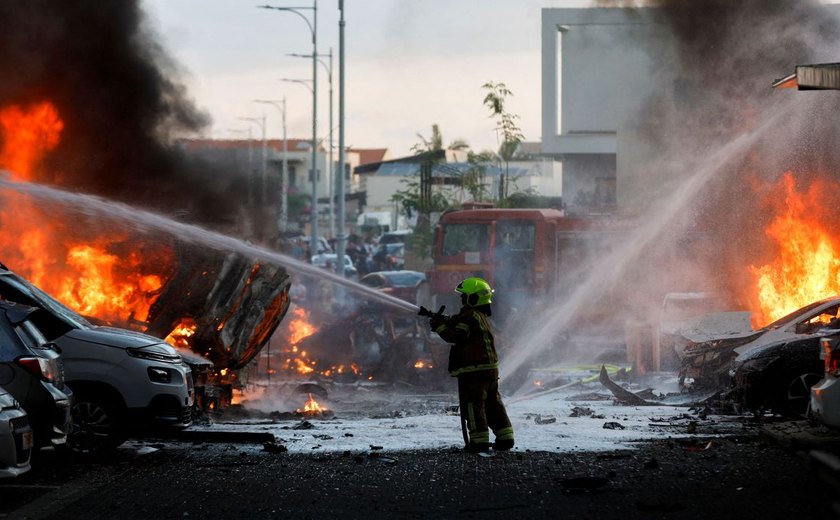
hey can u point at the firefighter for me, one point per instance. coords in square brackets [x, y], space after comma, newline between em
[474, 361]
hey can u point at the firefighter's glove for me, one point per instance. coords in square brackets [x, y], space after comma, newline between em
[436, 321]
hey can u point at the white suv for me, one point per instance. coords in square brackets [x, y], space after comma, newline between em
[121, 380]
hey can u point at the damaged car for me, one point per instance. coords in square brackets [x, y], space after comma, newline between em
[706, 362]
[778, 376]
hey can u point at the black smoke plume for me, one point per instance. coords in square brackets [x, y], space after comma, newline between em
[100, 64]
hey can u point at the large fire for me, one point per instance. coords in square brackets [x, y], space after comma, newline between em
[107, 276]
[297, 360]
[311, 406]
[807, 266]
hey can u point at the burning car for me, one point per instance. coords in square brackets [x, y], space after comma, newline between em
[707, 361]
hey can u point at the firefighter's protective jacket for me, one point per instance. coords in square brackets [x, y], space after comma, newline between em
[473, 348]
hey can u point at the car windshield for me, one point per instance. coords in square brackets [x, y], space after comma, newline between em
[795, 315]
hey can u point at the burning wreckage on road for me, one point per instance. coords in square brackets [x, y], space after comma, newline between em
[771, 368]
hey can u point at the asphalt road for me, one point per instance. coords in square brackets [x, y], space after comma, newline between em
[730, 478]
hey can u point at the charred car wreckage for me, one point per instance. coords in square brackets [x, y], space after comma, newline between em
[771, 368]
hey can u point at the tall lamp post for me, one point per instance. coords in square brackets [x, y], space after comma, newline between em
[330, 180]
[283, 217]
[313, 28]
[339, 180]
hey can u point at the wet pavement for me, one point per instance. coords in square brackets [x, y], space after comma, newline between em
[743, 477]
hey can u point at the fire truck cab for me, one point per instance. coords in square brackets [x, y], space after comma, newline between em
[527, 255]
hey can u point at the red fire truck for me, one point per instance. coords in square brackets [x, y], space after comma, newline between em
[528, 255]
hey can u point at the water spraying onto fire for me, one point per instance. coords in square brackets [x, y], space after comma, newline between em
[146, 222]
[541, 333]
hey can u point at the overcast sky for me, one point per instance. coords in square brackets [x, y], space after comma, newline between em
[409, 64]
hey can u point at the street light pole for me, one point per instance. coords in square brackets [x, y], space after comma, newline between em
[339, 180]
[283, 217]
[330, 169]
[313, 28]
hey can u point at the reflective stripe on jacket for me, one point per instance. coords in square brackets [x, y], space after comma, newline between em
[473, 348]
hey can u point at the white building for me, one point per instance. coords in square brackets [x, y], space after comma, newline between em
[597, 70]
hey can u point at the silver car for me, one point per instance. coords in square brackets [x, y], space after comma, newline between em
[16, 439]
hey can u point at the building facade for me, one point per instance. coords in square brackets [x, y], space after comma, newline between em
[599, 66]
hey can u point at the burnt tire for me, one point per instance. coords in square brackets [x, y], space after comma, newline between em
[796, 398]
[97, 425]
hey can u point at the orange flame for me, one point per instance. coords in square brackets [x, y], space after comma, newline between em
[96, 277]
[807, 267]
[180, 335]
[27, 135]
[299, 328]
[310, 406]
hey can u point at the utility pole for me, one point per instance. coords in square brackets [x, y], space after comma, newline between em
[339, 179]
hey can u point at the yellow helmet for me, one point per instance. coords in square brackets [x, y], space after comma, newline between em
[477, 290]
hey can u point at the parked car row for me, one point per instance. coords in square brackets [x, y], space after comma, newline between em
[77, 384]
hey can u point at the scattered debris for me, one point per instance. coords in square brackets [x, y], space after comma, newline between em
[374, 447]
[622, 395]
[303, 425]
[273, 447]
[378, 457]
[579, 411]
[612, 425]
[539, 419]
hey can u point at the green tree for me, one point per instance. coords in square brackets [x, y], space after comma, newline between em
[506, 128]
[418, 196]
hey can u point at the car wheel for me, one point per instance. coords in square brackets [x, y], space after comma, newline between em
[96, 425]
[798, 396]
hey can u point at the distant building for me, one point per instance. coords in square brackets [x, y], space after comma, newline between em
[245, 158]
[596, 73]
[381, 180]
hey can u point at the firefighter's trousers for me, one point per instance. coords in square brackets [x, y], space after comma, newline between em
[482, 407]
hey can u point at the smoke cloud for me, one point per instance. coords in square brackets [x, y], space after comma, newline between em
[709, 148]
[101, 66]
